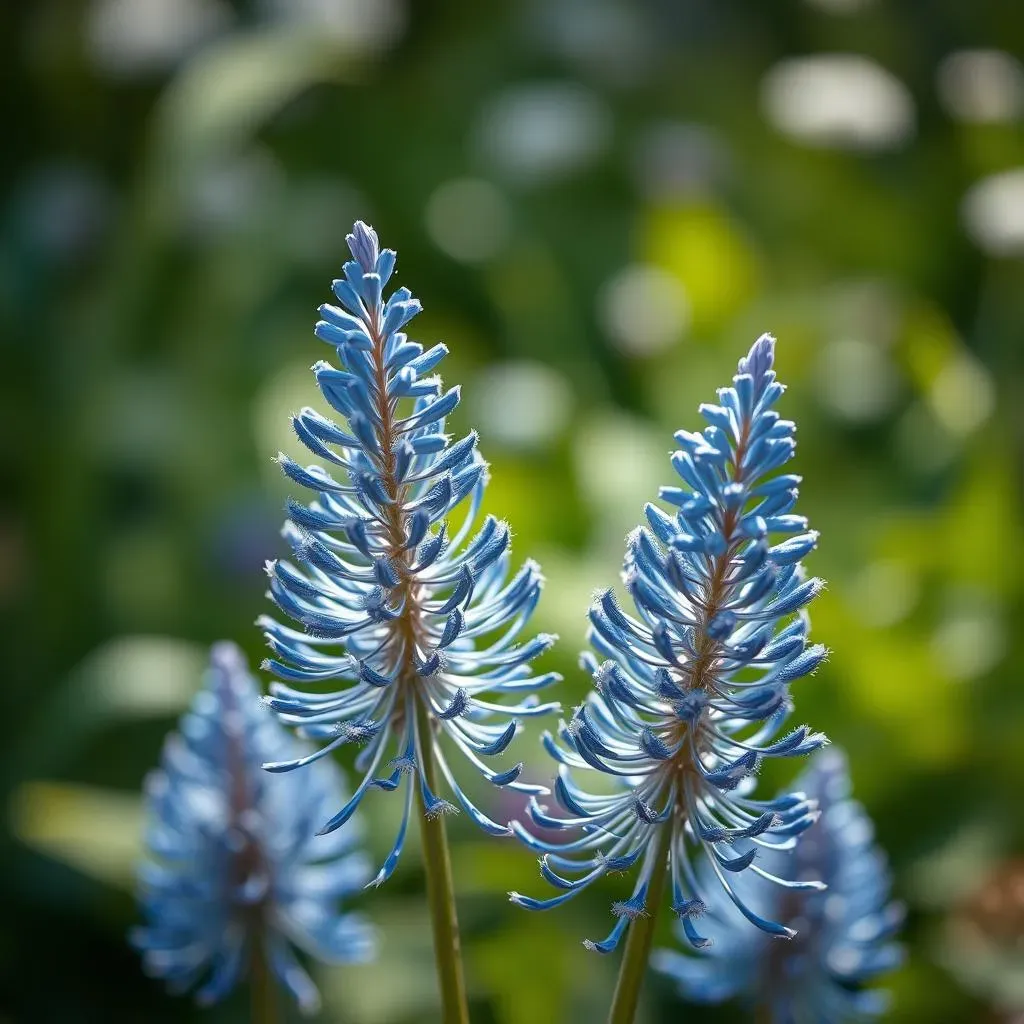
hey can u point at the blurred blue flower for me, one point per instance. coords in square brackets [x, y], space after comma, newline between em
[694, 692]
[234, 873]
[844, 936]
[420, 621]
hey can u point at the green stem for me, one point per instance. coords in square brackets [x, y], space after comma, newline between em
[263, 989]
[440, 890]
[638, 941]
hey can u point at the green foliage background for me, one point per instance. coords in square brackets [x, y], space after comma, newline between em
[169, 224]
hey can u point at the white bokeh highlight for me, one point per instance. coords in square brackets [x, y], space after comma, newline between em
[128, 38]
[856, 379]
[643, 310]
[981, 86]
[993, 213]
[468, 219]
[542, 131]
[520, 405]
[841, 101]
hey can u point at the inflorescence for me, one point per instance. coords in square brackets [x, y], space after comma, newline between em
[844, 936]
[234, 874]
[418, 619]
[692, 693]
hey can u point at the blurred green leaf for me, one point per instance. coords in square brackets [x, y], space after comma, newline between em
[228, 92]
[95, 831]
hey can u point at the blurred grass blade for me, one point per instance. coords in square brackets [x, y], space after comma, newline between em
[96, 831]
[129, 677]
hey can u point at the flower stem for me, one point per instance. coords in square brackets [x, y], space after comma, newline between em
[440, 891]
[263, 991]
[638, 941]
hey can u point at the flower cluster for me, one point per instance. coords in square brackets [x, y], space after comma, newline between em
[420, 622]
[844, 936]
[233, 873]
[693, 692]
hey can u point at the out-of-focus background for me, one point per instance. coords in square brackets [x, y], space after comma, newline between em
[601, 203]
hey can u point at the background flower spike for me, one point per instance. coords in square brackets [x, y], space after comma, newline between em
[418, 620]
[691, 691]
[845, 936]
[234, 877]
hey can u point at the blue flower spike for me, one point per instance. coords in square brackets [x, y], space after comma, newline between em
[234, 878]
[396, 590]
[691, 692]
[845, 936]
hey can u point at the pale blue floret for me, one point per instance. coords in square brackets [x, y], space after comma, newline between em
[844, 936]
[233, 868]
[401, 606]
[693, 691]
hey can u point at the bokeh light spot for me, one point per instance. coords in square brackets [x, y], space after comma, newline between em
[983, 86]
[993, 213]
[962, 396]
[883, 593]
[844, 101]
[365, 25]
[520, 405]
[970, 640]
[468, 219]
[706, 252]
[857, 381]
[541, 131]
[137, 37]
[643, 309]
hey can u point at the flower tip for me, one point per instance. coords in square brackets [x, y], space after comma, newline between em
[629, 909]
[759, 361]
[364, 245]
[227, 657]
[439, 808]
[691, 908]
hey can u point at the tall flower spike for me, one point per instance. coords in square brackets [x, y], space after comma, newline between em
[419, 620]
[234, 877]
[693, 692]
[844, 936]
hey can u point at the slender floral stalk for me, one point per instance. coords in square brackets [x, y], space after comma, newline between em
[638, 941]
[441, 894]
[418, 625]
[263, 991]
